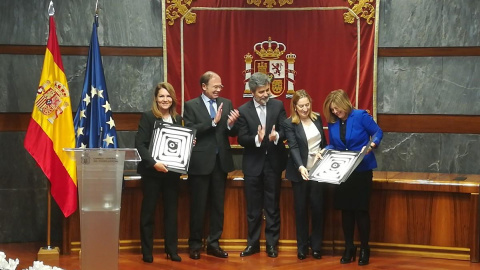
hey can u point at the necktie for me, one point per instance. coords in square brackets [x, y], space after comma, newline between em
[263, 117]
[213, 113]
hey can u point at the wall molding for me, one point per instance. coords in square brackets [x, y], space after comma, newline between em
[158, 51]
[83, 50]
[18, 122]
[428, 51]
[402, 123]
[426, 123]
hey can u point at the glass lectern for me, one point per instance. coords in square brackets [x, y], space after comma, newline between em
[99, 181]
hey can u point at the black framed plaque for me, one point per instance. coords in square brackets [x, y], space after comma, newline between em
[172, 145]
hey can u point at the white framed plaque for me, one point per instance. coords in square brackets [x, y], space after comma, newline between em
[336, 166]
[172, 145]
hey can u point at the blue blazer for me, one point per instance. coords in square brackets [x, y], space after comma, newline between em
[360, 127]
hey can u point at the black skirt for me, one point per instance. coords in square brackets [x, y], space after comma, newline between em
[354, 194]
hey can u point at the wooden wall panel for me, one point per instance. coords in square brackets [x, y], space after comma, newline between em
[235, 219]
[396, 209]
[408, 216]
[421, 123]
[287, 215]
[19, 121]
[83, 50]
[474, 223]
[158, 51]
[419, 217]
[428, 51]
[407, 123]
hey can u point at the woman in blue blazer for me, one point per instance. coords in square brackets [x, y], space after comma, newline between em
[352, 129]
[305, 136]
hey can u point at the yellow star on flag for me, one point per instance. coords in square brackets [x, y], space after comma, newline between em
[111, 123]
[107, 107]
[94, 91]
[79, 131]
[108, 139]
[87, 99]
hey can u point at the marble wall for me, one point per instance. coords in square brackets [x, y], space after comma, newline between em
[406, 85]
[130, 80]
[429, 85]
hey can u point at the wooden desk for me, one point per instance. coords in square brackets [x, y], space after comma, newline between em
[422, 214]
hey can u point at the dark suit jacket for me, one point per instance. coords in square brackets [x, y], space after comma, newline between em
[142, 143]
[209, 138]
[253, 156]
[298, 145]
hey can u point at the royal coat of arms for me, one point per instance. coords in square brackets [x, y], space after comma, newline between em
[281, 71]
[51, 99]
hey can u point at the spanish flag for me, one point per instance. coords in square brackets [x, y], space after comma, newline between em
[51, 127]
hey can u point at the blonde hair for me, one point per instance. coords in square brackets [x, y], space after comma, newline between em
[340, 99]
[173, 109]
[299, 94]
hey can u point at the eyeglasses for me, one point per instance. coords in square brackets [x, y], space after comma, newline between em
[218, 87]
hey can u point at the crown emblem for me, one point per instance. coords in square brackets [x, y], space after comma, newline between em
[278, 67]
[291, 58]
[269, 49]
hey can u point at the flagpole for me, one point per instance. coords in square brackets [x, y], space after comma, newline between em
[96, 13]
[49, 216]
[49, 252]
[51, 12]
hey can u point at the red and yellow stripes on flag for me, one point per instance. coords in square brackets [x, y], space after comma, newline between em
[51, 128]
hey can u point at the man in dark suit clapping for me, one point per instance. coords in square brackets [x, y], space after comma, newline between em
[214, 119]
[264, 159]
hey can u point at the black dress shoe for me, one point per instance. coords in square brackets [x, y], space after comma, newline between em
[364, 256]
[217, 252]
[301, 256]
[317, 255]
[272, 252]
[174, 257]
[147, 259]
[250, 250]
[195, 254]
[349, 255]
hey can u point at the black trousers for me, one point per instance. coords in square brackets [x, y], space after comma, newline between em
[206, 189]
[263, 192]
[353, 198]
[308, 195]
[152, 187]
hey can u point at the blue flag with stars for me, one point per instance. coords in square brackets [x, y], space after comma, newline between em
[94, 125]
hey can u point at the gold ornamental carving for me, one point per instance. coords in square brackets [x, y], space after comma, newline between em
[177, 9]
[269, 3]
[363, 8]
